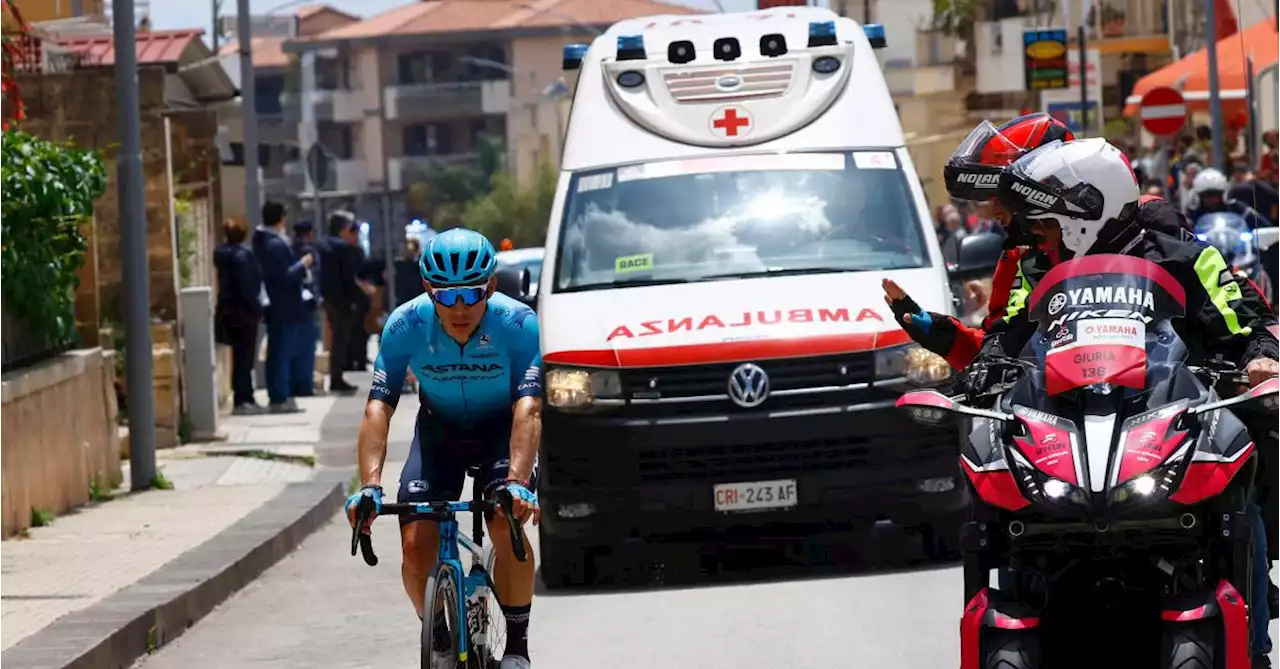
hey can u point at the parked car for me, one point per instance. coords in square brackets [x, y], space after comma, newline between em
[518, 274]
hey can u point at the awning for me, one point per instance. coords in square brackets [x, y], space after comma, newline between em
[1191, 74]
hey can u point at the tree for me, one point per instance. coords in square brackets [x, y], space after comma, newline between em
[444, 190]
[510, 211]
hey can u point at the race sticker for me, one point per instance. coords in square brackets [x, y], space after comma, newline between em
[874, 160]
[636, 263]
[592, 182]
[1112, 331]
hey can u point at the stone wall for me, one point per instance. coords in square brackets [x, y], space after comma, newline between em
[53, 455]
[80, 106]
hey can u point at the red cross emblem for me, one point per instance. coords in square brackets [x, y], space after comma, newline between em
[730, 121]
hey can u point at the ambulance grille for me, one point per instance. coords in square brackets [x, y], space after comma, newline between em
[694, 85]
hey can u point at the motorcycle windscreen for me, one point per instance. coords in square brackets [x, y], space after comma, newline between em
[1099, 320]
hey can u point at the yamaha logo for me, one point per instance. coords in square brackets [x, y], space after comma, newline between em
[1034, 196]
[980, 180]
[1057, 302]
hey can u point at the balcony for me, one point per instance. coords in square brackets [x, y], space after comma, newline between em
[348, 176]
[407, 170]
[1129, 26]
[448, 100]
[339, 106]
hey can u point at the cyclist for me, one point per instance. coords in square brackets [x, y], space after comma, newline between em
[476, 356]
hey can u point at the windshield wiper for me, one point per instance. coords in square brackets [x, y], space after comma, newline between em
[777, 272]
[621, 284]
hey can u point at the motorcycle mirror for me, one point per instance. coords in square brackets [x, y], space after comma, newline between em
[930, 407]
[1265, 238]
[1266, 394]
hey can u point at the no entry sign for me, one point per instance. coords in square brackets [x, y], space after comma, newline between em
[1163, 111]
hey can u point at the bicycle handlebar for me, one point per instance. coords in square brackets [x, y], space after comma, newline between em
[436, 511]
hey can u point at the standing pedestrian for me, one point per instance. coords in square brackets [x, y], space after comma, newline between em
[238, 310]
[283, 277]
[340, 261]
[303, 368]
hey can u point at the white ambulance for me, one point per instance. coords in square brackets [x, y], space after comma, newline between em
[718, 354]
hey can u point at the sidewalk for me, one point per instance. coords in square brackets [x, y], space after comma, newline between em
[110, 581]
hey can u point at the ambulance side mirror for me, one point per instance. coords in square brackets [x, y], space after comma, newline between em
[1265, 238]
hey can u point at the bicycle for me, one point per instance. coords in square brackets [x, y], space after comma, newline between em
[461, 596]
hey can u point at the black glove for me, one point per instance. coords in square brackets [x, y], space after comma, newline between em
[935, 332]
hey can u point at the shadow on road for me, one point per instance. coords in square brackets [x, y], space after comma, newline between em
[876, 551]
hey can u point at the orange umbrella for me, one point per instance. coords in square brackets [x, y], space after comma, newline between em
[1191, 74]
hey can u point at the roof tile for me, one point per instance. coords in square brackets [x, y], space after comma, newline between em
[153, 48]
[450, 16]
[267, 51]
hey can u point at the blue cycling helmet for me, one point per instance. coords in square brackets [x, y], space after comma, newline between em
[457, 257]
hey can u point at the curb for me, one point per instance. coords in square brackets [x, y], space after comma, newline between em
[142, 617]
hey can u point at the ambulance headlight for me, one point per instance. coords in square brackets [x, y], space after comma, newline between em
[822, 33]
[569, 388]
[919, 366]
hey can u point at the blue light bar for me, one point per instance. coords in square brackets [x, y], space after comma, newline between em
[875, 35]
[631, 47]
[573, 55]
[822, 33]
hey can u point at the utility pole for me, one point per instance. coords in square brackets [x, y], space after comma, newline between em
[248, 115]
[213, 38]
[1084, 82]
[388, 243]
[133, 240]
[1215, 100]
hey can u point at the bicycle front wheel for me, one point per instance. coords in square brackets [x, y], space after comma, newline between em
[440, 623]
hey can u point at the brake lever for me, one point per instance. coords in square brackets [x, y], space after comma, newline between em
[507, 502]
[358, 538]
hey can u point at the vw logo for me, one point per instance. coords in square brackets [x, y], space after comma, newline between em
[728, 82]
[748, 386]
[1057, 302]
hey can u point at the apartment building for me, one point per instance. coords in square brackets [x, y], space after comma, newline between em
[423, 83]
[277, 110]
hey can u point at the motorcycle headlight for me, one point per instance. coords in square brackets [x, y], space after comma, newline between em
[1044, 488]
[569, 388]
[1149, 486]
[915, 363]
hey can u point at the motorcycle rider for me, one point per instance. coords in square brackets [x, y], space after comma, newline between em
[1094, 203]
[1209, 195]
[972, 174]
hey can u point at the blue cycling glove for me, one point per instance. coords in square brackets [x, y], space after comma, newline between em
[519, 491]
[371, 491]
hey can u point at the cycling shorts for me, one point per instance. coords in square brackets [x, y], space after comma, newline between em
[441, 454]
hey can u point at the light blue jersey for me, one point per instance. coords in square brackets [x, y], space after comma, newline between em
[464, 385]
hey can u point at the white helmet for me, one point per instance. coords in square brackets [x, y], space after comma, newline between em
[1209, 179]
[1082, 185]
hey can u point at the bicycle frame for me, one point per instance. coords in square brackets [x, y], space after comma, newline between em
[468, 583]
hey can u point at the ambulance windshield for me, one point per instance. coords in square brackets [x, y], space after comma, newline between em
[736, 217]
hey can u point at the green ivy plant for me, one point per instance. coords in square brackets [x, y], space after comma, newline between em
[49, 190]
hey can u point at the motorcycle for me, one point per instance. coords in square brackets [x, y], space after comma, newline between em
[1237, 242]
[1110, 483]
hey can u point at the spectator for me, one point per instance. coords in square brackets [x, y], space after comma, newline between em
[408, 279]
[1269, 165]
[303, 368]
[950, 229]
[372, 281]
[340, 261]
[1257, 194]
[283, 276]
[238, 310]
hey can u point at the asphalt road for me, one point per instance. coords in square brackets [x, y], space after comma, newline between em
[320, 607]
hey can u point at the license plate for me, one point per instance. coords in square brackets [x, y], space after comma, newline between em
[756, 495]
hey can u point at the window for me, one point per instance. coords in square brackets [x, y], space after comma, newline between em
[428, 139]
[267, 90]
[337, 137]
[422, 67]
[331, 74]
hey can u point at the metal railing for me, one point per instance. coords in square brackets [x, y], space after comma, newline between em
[20, 346]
